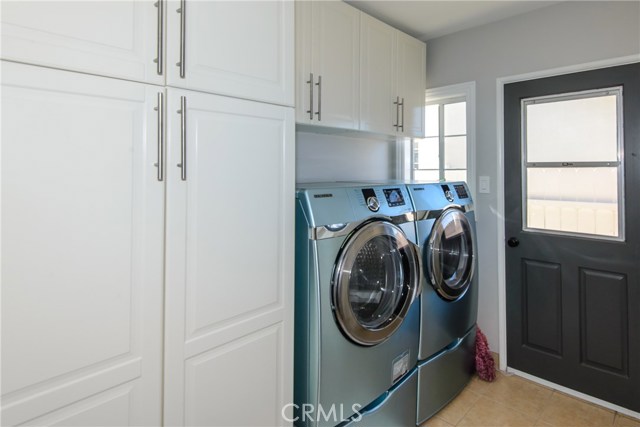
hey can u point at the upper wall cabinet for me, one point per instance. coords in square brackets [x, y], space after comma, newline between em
[236, 48]
[412, 65]
[327, 64]
[355, 72]
[392, 83]
[112, 38]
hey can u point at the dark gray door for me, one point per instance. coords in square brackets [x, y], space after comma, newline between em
[572, 223]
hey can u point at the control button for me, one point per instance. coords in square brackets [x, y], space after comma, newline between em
[373, 204]
[448, 195]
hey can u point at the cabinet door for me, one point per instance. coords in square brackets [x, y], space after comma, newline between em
[110, 38]
[378, 89]
[335, 46]
[82, 250]
[229, 271]
[237, 48]
[411, 83]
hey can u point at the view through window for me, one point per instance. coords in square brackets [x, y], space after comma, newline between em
[572, 170]
[442, 154]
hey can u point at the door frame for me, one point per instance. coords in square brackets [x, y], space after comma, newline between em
[502, 305]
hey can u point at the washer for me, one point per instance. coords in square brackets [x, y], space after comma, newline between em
[357, 314]
[445, 227]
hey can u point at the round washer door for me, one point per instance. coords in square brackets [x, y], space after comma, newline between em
[375, 280]
[450, 257]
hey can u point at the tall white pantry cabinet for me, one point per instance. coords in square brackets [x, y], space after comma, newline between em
[147, 183]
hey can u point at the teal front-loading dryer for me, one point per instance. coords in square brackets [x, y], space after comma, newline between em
[357, 314]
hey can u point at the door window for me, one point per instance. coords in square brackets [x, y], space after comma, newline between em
[450, 262]
[375, 282]
[572, 169]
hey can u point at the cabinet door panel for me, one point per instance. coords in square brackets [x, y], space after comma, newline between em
[82, 227]
[335, 48]
[229, 257]
[111, 38]
[237, 48]
[411, 83]
[378, 76]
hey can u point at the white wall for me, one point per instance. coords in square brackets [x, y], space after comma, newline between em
[327, 157]
[561, 35]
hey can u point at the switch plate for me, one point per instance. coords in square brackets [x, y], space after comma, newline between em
[484, 184]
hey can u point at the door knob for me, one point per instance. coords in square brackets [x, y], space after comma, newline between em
[513, 242]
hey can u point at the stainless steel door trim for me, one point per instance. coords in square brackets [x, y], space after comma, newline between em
[331, 231]
[423, 215]
[340, 285]
[183, 23]
[183, 138]
[460, 284]
[310, 110]
[160, 40]
[319, 112]
[160, 156]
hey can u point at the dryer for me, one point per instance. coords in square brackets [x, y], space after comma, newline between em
[357, 316]
[445, 227]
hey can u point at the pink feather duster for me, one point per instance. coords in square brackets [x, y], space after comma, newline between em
[485, 365]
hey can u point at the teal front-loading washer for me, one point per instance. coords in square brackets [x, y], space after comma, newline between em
[357, 314]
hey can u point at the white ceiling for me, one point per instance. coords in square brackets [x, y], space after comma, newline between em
[426, 19]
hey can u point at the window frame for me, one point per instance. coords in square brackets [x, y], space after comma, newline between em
[447, 95]
[619, 163]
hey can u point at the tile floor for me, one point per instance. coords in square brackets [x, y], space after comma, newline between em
[514, 401]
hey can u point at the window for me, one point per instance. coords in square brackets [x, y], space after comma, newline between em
[572, 169]
[446, 152]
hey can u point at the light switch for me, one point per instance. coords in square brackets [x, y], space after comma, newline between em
[484, 184]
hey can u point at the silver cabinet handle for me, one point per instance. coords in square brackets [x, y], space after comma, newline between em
[319, 112]
[397, 104]
[310, 110]
[183, 23]
[160, 163]
[402, 115]
[183, 138]
[160, 42]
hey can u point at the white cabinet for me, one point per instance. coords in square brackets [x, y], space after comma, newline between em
[229, 261]
[378, 82]
[112, 38]
[327, 64]
[82, 250]
[411, 62]
[237, 48]
[356, 72]
[392, 85]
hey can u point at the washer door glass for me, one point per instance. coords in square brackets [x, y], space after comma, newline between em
[450, 256]
[375, 282]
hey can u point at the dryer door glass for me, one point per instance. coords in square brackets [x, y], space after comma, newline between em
[450, 256]
[375, 281]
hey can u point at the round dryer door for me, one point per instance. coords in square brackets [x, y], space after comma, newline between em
[375, 280]
[450, 256]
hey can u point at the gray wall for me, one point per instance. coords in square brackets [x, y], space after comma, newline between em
[330, 157]
[565, 34]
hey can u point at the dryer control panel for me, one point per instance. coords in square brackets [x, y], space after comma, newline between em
[383, 200]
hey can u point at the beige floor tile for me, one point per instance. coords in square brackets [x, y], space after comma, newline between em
[624, 421]
[436, 422]
[486, 412]
[458, 407]
[480, 386]
[566, 411]
[519, 394]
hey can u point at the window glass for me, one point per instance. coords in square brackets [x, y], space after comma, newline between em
[455, 152]
[455, 118]
[432, 120]
[572, 173]
[574, 130]
[428, 153]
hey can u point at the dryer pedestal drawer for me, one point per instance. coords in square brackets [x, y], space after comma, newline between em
[442, 377]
